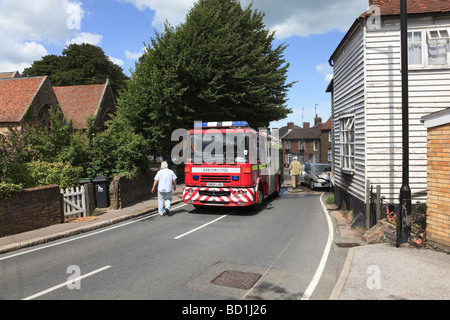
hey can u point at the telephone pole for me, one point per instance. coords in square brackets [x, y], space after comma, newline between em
[404, 221]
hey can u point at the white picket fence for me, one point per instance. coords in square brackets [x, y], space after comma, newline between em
[74, 202]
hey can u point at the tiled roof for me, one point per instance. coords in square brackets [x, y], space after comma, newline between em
[392, 7]
[326, 125]
[80, 102]
[16, 95]
[6, 75]
[303, 134]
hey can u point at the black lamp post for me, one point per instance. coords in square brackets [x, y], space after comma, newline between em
[404, 221]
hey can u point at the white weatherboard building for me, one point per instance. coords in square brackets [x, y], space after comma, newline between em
[367, 98]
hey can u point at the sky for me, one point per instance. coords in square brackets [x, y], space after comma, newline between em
[312, 29]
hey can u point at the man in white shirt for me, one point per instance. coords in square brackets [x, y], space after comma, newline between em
[165, 179]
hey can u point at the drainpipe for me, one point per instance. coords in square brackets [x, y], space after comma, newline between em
[404, 223]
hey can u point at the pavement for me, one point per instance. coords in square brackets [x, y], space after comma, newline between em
[370, 272]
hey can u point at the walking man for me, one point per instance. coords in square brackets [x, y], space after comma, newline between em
[165, 179]
[296, 167]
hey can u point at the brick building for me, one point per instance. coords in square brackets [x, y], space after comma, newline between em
[78, 103]
[25, 99]
[309, 144]
[438, 178]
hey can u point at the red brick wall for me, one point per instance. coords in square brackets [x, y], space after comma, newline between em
[438, 185]
[31, 209]
[130, 191]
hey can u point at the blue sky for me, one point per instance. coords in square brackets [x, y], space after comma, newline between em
[30, 29]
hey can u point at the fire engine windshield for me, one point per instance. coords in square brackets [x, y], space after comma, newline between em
[219, 147]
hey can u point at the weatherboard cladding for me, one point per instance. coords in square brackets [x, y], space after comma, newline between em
[367, 83]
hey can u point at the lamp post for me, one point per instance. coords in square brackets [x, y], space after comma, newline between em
[404, 221]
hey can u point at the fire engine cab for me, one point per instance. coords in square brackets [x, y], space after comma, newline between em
[231, 164]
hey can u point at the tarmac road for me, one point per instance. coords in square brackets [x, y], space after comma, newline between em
[178, 257]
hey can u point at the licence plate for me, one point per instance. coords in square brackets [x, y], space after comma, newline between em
[215, 184]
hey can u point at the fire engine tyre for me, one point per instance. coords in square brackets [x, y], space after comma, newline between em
[260, 196]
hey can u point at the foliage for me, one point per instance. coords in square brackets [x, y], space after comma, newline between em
[330, 199]
[59, 142]
[218, 65]
[41, 173]
[7, 189]
[12, 150]
[82, 64]
[117, 150]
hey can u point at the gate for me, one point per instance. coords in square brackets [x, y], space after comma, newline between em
[74, 202]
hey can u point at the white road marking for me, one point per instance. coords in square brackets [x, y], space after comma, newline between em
[66, 283]
[85, 235]
[196, 229]
[312, 286]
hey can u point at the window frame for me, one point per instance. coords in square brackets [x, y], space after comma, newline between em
[347, 143]
[426, 38]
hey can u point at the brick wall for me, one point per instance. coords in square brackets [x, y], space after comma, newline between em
[438, 185]
[31, 209]
[124, 192]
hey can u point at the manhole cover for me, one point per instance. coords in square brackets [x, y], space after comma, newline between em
[237, 279]
[347, 244]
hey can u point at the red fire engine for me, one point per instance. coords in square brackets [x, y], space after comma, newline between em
[231, 164]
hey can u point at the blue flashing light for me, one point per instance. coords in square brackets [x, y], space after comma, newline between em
[195, 177]
[235, 178]
[219, 124]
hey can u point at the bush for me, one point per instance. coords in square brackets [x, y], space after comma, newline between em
[7, 189]
[40, 173]
[330, 199]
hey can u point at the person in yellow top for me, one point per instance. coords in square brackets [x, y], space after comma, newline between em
[296, 168]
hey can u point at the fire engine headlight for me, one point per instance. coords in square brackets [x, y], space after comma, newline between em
[235, 178]
[195, 177]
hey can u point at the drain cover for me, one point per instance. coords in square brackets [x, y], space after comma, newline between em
[237, 279]
[347, 244]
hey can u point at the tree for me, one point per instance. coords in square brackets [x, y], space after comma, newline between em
[218, 65]
[83, 64]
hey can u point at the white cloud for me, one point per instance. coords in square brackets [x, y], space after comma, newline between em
[286, 17]
[134, 55]
[173, 11]
[26, 26]
[326, 70]
[86, 37]
[117, 61]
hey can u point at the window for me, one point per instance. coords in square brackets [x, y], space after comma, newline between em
[301, 145]
[348, 144]
[316, 145]
[287, 144]
[429, 48]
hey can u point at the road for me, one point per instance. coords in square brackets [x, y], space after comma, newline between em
[279, 252]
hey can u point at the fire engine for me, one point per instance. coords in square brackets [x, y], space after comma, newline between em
[231, 164]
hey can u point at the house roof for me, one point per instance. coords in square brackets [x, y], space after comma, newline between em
[6, 75]
[436, 119]
[303, 134]
[80, 102]
[16, 96]
[392, 7]
[326, 125]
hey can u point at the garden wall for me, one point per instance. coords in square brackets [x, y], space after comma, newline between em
[31, 209]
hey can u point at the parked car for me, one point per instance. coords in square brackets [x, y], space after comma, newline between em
[302, 173]
[317, 175]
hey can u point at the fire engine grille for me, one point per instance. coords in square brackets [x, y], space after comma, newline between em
[212, 193]
[223, 179]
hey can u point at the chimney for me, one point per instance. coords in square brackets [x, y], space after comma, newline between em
[305, 125]
[290, 126]
[317, 121]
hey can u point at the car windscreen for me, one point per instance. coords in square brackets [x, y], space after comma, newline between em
[317, 168]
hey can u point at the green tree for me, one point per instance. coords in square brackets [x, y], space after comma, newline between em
[83, 64]
[220, 64]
